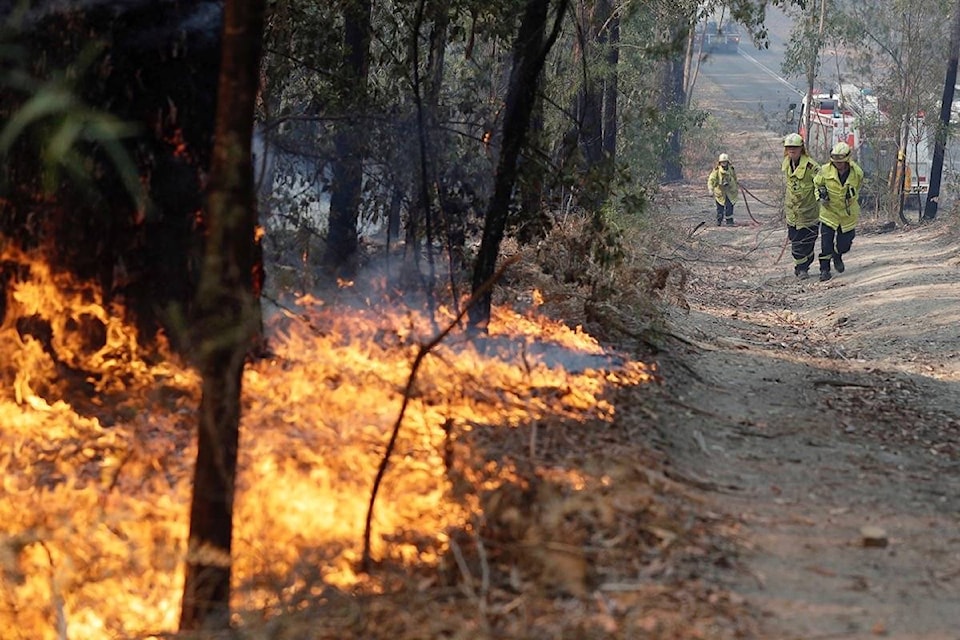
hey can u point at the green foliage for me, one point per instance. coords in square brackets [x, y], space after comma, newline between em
[895, 48]
[703, 143]
[455, 116]
[802, 53]
[49, 121]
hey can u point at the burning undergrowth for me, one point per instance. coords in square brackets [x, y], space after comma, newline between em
[518, 499]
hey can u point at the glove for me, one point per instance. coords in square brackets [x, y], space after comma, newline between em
[822, 191]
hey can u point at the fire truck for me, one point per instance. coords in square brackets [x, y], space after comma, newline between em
[849, 115]
[830, 123]
[919, 160]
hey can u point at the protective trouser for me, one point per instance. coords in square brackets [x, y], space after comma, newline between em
[725, 210]
[802, 243]
[833, 242]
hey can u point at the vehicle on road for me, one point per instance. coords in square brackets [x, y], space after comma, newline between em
[830, 123]
[718, 36]
[849, 114]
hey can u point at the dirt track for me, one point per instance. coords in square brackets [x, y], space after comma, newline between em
[810, 410]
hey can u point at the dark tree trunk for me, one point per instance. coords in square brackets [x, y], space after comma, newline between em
[591, 111]
[346, 194]
[535, 222]
[427, 97]
[529, 53]
[591, 123]
[672, 101]
[592, 95]
[452, 206]
[936, 170]
[227, 317]
[610, 92]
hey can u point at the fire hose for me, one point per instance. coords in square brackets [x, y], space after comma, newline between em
[745, 192]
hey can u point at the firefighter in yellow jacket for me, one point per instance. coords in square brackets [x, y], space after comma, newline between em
[722, 183]
[838, 188]
[800, 203]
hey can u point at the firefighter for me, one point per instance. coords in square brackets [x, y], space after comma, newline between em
[800, 203]
[838, 188]
[722, 183]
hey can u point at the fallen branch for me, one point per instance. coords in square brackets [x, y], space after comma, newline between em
[840, 383]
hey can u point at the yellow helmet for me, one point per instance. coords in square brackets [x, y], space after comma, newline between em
[840, 152]
[793, 140]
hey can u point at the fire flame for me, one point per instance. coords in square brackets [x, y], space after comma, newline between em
[97, 447]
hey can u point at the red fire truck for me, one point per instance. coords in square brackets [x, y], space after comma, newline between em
[834, 119]
[830, 123]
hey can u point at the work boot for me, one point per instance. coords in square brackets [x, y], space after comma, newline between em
[719, 221]
[729, 222]
[824, 276]
[838, 263]
[801, 273]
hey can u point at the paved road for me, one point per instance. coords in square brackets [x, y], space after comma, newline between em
[754, 86]
[751, 78]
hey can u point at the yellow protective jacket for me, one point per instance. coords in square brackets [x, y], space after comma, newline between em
[842, 209]
[800, 200]
[722, 183]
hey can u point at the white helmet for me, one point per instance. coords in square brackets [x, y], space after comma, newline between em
[840, 152]
[793, 140]
[724, 158]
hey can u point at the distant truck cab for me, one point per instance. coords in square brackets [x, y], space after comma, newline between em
[718, 36]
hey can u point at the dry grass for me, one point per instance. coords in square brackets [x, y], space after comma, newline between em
[525, 501]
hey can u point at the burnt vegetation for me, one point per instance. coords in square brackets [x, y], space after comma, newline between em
[428, 153]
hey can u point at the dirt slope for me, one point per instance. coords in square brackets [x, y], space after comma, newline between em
[810, 410]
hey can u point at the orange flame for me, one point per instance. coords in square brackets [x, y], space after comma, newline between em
[97, 485]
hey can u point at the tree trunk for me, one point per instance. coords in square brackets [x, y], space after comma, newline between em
[591, 124]
[936, 170]
[535, 223]
[672, 100]
[694, 48]
[596, 101]
[591, 108]
[345, 197]
[529, 53]
[812, 68]
[227, 316]
[610, 92]
[427, 96]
